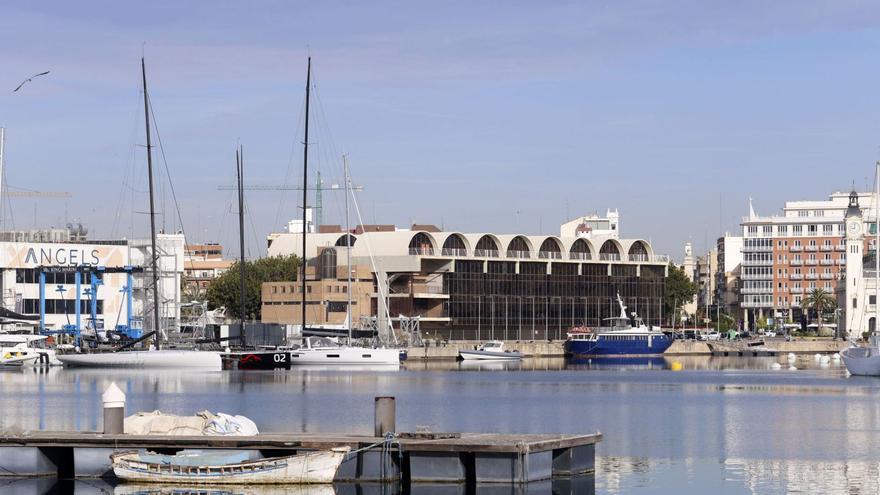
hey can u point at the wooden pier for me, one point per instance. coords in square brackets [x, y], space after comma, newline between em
[409, 458]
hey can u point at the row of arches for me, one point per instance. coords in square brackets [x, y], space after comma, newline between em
[519, 246]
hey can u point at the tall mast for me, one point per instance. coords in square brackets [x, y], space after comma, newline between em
[305, 195]
[239, 163]
[876, 245]
[347, 243]
[2, 163]
[154, 254]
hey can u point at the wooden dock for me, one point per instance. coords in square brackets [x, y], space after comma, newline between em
[410, 458]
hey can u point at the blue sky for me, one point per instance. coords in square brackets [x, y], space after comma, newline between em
[482, 116]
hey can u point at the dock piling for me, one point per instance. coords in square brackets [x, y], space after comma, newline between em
[385, 416]
[114, 409]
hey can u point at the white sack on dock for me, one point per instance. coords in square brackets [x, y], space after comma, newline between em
[203, 423]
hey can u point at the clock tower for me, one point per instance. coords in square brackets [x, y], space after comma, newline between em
[855, 241]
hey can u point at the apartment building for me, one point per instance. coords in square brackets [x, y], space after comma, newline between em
[786, 256]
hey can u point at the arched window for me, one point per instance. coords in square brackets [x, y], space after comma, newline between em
[421, 244]
[518, 248]
[327, 263]
[454, 246]
[580, 250]
[638, 252]
[487, 247]
[550, 249]
[342, 242]
[609, 251]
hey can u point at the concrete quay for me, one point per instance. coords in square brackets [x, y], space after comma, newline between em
[449, 350]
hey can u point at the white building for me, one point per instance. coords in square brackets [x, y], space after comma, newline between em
[588, 226]
[857, 294]
[23, 260]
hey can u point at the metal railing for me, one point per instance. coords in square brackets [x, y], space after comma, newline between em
[811, 248]
[841, 262]
[826, 247]
[757, 276]
[579, 256]
[609, 256]
[826, 262]
[812, 276]
[453, 252]
[518, 254]
[638, 257]
[421, 251]
[827, 276]
[757, 249]
[757, 262]
[796, 262]
[756, 290]
[796, 276]
[556, 255]
[486, 253]
[796, 249]
[840, 247]
[811, 262]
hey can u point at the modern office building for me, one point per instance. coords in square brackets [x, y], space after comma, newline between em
[786, 256]
[470, 285]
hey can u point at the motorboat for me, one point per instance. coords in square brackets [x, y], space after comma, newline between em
[150, 359]
[20, 349]
[326, 351]
[618, 337]
[227, 467]
[492, 350]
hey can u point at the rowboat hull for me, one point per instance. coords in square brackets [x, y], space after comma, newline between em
[306, 468]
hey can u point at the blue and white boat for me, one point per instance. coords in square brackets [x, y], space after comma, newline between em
[617, 338]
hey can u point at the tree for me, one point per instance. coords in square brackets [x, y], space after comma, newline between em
[224, 290]
[820, 301]
[680, 290]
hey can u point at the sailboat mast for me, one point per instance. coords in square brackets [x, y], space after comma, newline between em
[239, 163]
[305, 195]
[154, 253]
[876, 245]
[347, 244]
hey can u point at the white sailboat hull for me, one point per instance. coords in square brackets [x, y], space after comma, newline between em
[344, 355]
[862, 361]
[160, 359]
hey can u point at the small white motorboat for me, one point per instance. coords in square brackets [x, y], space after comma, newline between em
[494, 350]
[18, 349]
[229, 467]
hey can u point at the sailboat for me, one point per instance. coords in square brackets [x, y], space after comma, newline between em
[859, 360]
[153, 358]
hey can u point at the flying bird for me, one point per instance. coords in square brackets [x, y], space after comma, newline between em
[29, 80]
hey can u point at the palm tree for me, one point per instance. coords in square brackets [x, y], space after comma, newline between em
[820, 301]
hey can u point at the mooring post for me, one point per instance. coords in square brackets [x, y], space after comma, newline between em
[114, 409]
[386, 413]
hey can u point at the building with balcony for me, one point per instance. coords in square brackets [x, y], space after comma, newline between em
[202, 264]
[786, 256]
[470, 285]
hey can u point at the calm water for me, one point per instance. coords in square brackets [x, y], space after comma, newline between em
[725, 425]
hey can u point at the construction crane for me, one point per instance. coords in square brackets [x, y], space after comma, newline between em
[37, 194]
[318, 188]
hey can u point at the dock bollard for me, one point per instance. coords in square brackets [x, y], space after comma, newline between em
[114, 409]
[386, 414]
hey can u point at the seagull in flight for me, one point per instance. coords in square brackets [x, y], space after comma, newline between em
[29, 80]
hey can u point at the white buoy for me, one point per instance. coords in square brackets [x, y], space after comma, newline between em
[791, 357]
[776, 366]
[825, 359]
[817, 356]
[792, 368]
[836, 356]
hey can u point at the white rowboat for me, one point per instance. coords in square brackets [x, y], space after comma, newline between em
[306, 468]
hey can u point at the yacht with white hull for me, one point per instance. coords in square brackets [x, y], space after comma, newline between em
[153, 358]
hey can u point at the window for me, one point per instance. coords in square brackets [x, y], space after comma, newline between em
[812, 229]
[783, 230]
[797, 230]
[827, 229]
[803, 213]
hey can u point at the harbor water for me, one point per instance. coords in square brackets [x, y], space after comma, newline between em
[722, 424]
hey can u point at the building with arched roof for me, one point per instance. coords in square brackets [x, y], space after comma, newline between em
[472, 285]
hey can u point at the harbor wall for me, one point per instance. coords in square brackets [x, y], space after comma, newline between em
[544, 348]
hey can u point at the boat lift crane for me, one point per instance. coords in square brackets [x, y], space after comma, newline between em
[133, 327]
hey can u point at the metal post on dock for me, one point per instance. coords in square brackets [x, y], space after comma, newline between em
[114, 409]
[386, 414]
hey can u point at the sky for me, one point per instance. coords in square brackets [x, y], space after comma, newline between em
[474, 115]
